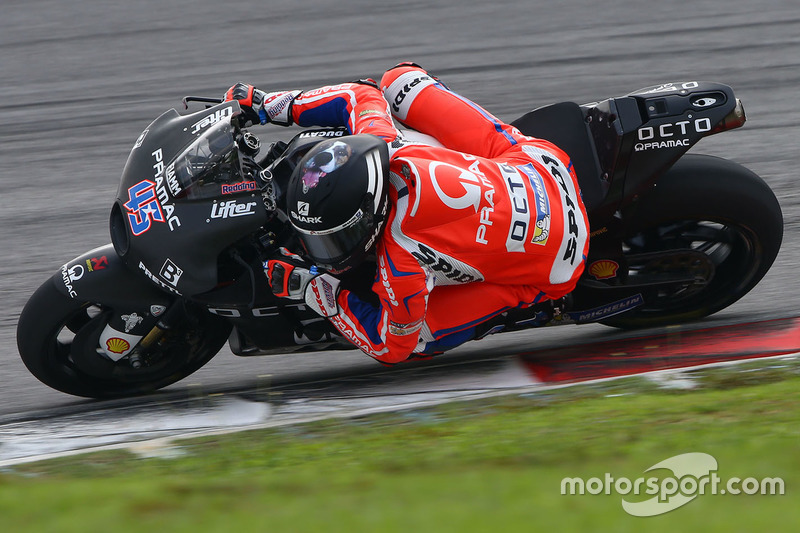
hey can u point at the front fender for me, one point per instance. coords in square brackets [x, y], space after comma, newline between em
[100, 276]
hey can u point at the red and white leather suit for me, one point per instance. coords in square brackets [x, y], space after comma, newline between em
[491, 222]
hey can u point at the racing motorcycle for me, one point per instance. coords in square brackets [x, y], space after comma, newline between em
[200, 207]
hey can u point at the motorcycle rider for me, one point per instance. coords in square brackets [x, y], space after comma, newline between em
[490, 221]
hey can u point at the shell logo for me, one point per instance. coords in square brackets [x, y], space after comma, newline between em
[117, 345]
[604, 269]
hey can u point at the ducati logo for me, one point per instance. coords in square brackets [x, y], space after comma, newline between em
[302, 208]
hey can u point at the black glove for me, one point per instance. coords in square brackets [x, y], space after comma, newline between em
[260, 107]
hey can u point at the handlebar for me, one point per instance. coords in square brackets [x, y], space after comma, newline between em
[201, 99]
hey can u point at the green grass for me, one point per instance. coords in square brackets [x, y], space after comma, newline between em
[488, 465]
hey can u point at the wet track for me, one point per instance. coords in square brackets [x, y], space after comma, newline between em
[81, 80]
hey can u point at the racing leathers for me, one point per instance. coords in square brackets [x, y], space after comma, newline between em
[488, 221]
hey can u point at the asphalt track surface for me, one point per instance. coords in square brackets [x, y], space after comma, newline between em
[81, 79]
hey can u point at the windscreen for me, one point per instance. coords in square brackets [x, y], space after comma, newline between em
[211, 165]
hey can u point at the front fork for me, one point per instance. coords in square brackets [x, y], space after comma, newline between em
[130, 333]
[143, 332]
[141, 311]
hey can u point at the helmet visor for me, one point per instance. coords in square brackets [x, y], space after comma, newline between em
[335, 246]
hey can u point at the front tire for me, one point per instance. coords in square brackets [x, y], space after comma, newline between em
[713, 206]
[57, 340]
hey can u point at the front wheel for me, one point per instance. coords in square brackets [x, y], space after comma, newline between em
[57, 340]
[717, 208]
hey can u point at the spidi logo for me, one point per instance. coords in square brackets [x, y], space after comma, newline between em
[693, 474]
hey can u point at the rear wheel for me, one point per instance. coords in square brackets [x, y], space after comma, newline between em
[57, 337]
[709, 206]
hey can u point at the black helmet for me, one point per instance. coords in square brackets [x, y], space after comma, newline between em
[337, 199]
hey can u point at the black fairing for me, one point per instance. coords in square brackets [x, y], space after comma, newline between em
[620, 146]
[659, 124]
[172, 237]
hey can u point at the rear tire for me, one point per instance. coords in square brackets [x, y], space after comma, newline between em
[57, 340]
[710, 205]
